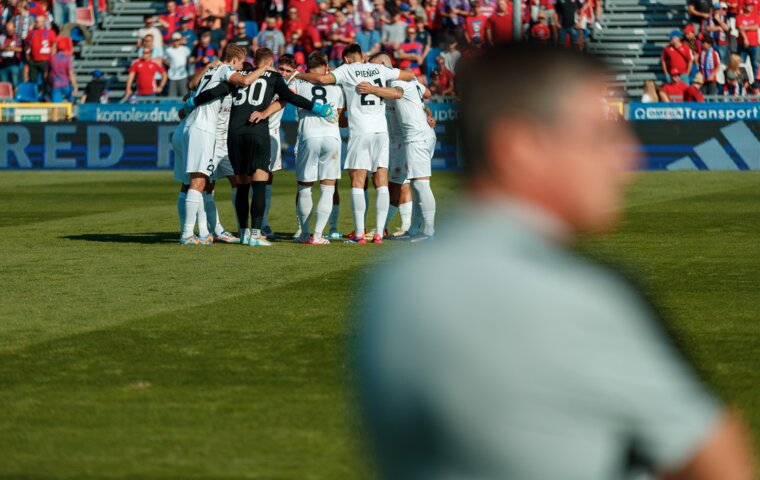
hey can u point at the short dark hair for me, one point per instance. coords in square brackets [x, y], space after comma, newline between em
[353, 49]
[316, 59]
[491, 87]
[707, 39]
[263, 54]
[288, 59]
[248, 66]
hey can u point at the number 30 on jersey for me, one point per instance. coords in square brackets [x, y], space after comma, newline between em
[253, 94]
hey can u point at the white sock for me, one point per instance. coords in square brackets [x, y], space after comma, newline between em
[193, 202]
[383, 202]
[202, 220]
[181, 197]
[392, 209]
[334, 214]
[359, 209]
[234, 209]
[414, 225]
[405, 210]
[427, 206]
[305, 204]
[212, 214]
[268, 194]
[366, 204]
[324, 208]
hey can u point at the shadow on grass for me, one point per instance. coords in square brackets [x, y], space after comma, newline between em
[144, 238]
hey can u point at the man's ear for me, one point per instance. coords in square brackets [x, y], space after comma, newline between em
[515, 150]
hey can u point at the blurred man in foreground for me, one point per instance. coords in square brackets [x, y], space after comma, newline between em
[518, 358]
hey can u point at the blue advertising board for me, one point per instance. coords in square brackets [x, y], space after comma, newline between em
[720, 111]
[164, 112]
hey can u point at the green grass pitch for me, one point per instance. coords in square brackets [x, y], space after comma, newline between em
[123, 355]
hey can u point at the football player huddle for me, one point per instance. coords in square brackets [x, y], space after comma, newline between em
[230, 128]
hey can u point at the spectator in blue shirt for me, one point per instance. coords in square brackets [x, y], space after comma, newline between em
[368, 37]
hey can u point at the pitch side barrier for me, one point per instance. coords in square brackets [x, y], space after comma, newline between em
[138, 137]
[698, 136]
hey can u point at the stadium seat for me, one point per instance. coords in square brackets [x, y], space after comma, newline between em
[27, 92]
[85, 17]
[6, 91]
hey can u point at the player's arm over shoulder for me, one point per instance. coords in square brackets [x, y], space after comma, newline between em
[243, 80]
[319, 79]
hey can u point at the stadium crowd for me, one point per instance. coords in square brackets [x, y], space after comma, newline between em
[715, 54]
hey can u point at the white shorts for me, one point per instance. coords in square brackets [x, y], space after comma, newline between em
[200, 152]
[318, 158]
[419, 156]
[275, 159]
[180, 156]
[397, 162]
[222, 159]
[367, 152]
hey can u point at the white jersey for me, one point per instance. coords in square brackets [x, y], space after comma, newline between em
[276, 118]
[310, 124]
[410, 111]
[394, 129]
[223, 119]
[366, 113]
[205, 116]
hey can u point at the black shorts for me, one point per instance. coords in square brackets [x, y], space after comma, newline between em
[249, 153]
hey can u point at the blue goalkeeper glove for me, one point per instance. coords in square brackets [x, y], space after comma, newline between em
[188, 106]
[324, 110]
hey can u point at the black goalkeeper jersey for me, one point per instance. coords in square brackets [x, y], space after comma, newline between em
[256, 98]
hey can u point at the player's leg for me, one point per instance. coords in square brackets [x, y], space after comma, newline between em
[239, 150]
[275, 164]
[259, 179]
[233, 191]
[358, 163]
[358, 203]
[307, 157]
[200, 166]
[396, 176]
[223, 169]
[420, 171]
[394, 193]
[335, 215]
[328, 172]
[181, 199]
[379, 151]
[180, 171]
[405, 207]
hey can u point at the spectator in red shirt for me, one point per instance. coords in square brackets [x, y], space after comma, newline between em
[441, 79]
[342, 35]
[144, 71]
[188, 12]
[61, 76]
[540, 32]
[294, 27]
[748, 24]
[39, 50]
[475, 27]
[306, 8]
[409, 53]
[499, 25]
[675, 88]
[693, 93]
[676, 57]
[171, 21]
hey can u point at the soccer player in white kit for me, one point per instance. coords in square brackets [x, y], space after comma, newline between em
[368, 140]
[200, 137]
[419, 146]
